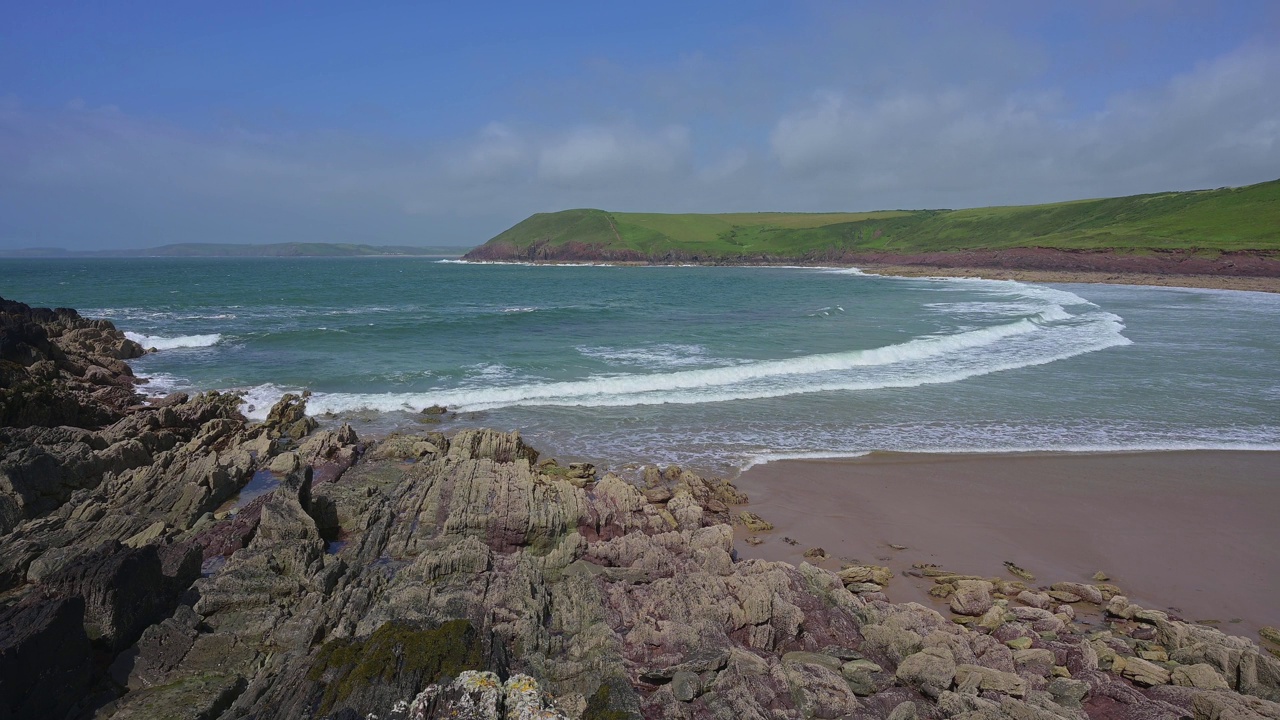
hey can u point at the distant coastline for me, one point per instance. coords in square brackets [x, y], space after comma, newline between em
[904, 268]
[211, 250]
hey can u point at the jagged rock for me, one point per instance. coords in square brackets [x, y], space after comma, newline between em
[126, 589]
[1229, 706]
[288, 418]
[151, 533]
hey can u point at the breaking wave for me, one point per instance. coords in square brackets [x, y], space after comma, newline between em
[159, 342]
[1051, 335]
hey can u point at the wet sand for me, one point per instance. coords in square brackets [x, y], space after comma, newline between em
[1195, 533]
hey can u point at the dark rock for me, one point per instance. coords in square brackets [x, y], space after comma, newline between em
[126, 589]
[45, 661]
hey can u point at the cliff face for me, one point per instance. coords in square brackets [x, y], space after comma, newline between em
[431, 577]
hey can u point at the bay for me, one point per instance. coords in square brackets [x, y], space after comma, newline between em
[713, 367]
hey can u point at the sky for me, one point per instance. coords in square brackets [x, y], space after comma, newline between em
[136, 124]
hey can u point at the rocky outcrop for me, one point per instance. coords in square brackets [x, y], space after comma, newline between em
[57, 368]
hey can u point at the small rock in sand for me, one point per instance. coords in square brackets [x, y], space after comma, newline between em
[1014, 569]
[754, 522]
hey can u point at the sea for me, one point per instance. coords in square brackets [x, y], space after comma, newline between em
[714, 368]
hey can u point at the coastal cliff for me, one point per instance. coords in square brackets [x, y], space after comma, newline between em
[173, 559]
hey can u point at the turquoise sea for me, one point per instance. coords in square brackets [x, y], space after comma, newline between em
[716, 368]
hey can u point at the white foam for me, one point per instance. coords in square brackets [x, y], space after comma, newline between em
[1117, 448]
[764, 458]
[160, 384]
[921, 361]
[662, 355]
[256, 402]
[159, 342]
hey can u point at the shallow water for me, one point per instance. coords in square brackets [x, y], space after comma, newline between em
[713, 367]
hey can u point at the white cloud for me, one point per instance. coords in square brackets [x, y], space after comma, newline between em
[961, 145]
[496, 152]
[598, 152]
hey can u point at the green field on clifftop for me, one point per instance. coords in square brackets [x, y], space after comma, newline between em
[1208, 221]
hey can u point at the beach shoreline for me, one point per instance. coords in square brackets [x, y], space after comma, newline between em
[1190, 532]
[1245, 283]
[1205, 282]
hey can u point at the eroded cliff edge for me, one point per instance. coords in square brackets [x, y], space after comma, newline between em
[431, 576]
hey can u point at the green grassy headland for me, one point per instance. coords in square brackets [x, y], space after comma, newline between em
[1201, 222]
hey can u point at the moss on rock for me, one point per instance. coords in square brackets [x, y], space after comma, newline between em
[395, 651]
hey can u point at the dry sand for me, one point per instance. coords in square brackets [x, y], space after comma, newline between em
[1196, 533]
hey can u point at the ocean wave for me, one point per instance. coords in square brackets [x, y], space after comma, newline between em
[160, 384]
[920, 361]
[663, 355]
[159, 342]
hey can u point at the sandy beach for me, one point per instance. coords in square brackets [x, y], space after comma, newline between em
[1194, 532]
[1214, 282]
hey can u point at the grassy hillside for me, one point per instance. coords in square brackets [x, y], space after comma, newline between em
[1205, 221]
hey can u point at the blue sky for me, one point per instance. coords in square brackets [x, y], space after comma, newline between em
[137, 124]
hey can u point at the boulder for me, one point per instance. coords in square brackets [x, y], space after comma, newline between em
[1035, 599]
[866, 574]
[753, 522]
[931, 671]
[1141, 672]
[975, 678]
[1201, 676]
[972, 597]
[1088, 593]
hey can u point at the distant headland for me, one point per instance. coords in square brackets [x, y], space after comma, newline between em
[1232, 232]
[290, 249]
